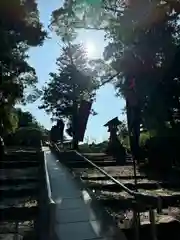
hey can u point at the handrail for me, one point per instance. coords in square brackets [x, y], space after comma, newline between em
[48, 183]
[135, 194]
[50, 206]
[106, 174]
[126, 189]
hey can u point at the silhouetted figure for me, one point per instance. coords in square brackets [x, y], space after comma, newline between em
[60, 125]
[52, 134]
[57, 132]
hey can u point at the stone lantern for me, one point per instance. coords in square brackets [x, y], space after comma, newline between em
[115, 147]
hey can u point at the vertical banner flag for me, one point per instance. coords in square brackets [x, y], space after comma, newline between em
[133, 117]
[131, 94]
[83, 116]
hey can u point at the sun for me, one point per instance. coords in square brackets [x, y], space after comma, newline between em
[90, 49]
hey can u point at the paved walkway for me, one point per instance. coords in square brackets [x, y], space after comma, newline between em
[74, 217]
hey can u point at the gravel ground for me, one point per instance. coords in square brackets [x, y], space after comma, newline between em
[8, 230]
[113, 170]
[124, 218]
[18, 202]
[156, 192]
[109, 182]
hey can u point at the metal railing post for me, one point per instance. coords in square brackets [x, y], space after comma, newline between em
[153, 223]
[136, 223]
[159, 206]
[52, 219]
[139, 198]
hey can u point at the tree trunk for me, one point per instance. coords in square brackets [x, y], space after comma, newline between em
[75, 125]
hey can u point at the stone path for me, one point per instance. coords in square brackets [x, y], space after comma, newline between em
[74, 216]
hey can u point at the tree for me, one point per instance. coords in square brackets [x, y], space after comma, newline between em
[9, 119]
[20, 28]
[82, 81]
[25, 136]
[26, 119]
[139, 47]
[122, 130]
[144, 47]
[73, 81]
[93, 147]
[25, 128]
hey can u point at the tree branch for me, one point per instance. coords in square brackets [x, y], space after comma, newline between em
[90, 28]
[110, 79]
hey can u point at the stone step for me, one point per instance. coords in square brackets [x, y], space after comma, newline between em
[18, 214]
[83, 164]
[103, 177]
[148, 186]
[12, 193]
[18, 181]
[18, 164]
[122, 203]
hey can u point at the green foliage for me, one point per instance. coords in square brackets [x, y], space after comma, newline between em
[85, 148]
[144, 137]
[122, 130]
[126, 143]
[74, 81]
[139, 48]
[24, 129]
[77, 14]
[94, 148]
[26, 119]
[147, 58]
[28, 136]
[15, 118]
[143, 45]
[123, 136]
[9, 119]
[91, 2]
[20, 29]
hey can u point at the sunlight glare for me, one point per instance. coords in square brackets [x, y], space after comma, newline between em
[90, 49]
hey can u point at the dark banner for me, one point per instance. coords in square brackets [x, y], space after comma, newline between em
[84, 111]
[133, 117]
[131, 96]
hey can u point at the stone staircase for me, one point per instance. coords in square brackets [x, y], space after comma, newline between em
[20, 193]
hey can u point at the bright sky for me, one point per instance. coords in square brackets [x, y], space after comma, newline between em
[43, 59]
